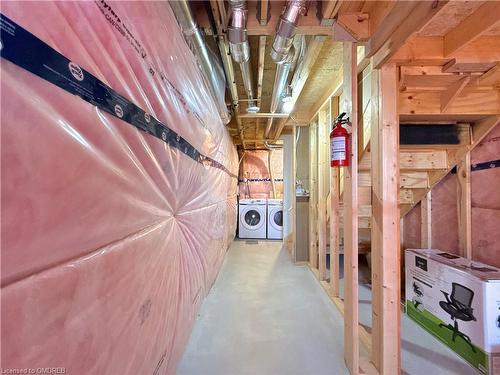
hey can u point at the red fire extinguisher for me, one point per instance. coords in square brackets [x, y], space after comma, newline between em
[339, 143]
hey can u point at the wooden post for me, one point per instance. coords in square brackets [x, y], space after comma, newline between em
[464, 207]
[351, 317]
[334, 215]
[321, 192]
[313, 195]
[426, 221]
[386, 252]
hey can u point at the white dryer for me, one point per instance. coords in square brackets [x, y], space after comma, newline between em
[275, 219]
[252, 218]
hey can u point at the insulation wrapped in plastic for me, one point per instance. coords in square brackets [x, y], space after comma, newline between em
[110, 237]
[255, 176]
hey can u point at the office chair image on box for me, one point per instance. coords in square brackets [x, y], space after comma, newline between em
[458, 305]
[417, 298]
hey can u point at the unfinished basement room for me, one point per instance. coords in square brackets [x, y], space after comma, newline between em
[230, 187]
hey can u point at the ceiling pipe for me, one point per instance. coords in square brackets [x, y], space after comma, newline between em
[283, 53]
[280, 83]
[286, 28]
[239, 47]
[233, 91]
[209, 66]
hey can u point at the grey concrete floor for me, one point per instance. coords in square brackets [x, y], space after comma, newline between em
[267, 316]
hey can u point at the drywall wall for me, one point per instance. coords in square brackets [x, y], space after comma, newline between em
[111, 237]
[255, 179]
[485, 208]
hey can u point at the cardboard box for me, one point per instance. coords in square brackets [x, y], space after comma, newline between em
[458, 301]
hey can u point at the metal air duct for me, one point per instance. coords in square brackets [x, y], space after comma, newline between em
[285, 30]
[240, 49]
[209, 65]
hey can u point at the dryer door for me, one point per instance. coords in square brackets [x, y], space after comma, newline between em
[276, 217]
[251, 218]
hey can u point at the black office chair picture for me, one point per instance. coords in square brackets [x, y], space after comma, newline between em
[458, 305]
[417, 298]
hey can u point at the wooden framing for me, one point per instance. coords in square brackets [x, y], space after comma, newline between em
[321, 150]
[421, 13]
[264, 11]
[452, 92]
[351, 317]
[475, 25]
[260, 74]
[422, 50]
[447, 76]
[426, 221]
[313, 196]
[464, 207]
[386, 354]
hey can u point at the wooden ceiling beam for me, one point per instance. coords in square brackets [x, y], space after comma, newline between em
[395, 17]
[260, 72]
[264, 12]
[420, 16]
[356, 24]
[330, 8]
[475, 25]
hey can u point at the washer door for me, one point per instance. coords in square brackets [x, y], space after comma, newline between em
[276, 218]
[251, 218]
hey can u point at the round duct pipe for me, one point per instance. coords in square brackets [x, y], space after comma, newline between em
[285, 30]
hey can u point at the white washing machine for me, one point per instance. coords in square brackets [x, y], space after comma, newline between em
[275, 219]
[252, 218]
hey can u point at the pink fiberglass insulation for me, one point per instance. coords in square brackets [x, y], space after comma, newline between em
[255, 169]
[110, 238]
[485, 201]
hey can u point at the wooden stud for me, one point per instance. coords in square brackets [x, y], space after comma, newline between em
[426, 221]
[475, 25]
[452, 92]
[322, 125]
[334, 217]
[313, 196]
[464, 207]
[264, 10]
[351, 321]
[386, 355]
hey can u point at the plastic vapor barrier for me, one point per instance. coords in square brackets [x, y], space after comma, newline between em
[255, 176]
[111, 237]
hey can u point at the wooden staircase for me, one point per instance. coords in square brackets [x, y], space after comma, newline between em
[421, 168]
